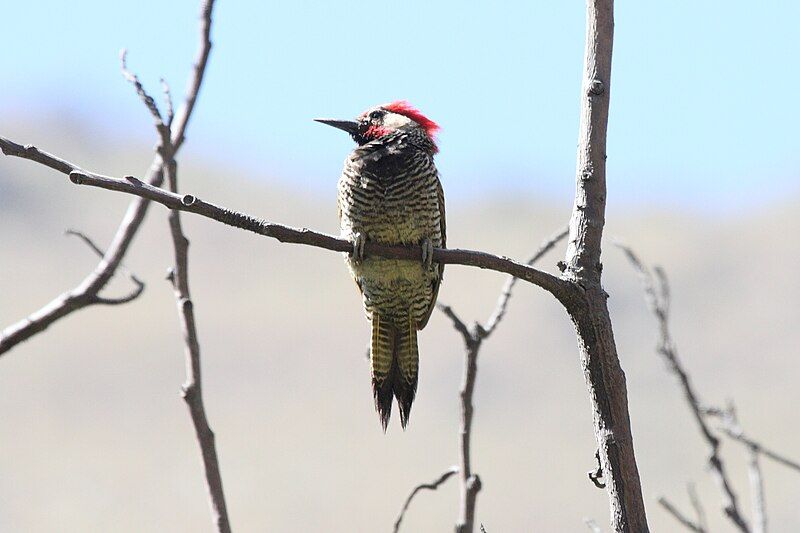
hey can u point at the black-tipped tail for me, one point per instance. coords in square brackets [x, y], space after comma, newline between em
[395, 359]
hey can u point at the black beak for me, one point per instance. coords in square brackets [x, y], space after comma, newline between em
[350, 126]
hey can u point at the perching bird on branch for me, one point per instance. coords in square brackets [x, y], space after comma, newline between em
[390, 192]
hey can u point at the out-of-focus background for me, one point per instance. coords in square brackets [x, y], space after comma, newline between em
[703, 180]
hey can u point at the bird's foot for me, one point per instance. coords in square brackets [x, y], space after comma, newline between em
[427, 253]
[359, 240]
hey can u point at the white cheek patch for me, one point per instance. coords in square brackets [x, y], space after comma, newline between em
[395, 121]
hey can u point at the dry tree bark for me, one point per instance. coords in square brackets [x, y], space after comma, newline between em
[589, 311]
[578, 289]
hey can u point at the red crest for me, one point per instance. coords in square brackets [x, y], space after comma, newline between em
[401, 107]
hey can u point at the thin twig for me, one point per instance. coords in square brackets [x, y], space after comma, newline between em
[183, 114]
[147, 100]
[193, 386]
[698, 508]
[657, 297]
[685, 522]
[473, 340]
[86, 293]
[433, 485]
[139, 284]
[470, 483]
[502, 302]
[757, 493]
[192, 389]
[734, 431]
[168, 101]
[457, 322]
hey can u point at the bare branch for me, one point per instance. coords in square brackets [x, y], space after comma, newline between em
[733, 430]
[433, 485]
[193, 386]
[685, 522]
[698, 508]
[470, 483]
[473, 340]
[192, 389]
[85, 294]
[605, 379]
[86, 240]
[505, 295]
[457, 322]
[139, 284]
[147, 100]
[198, 72]
[168, 101]
[657, 298]
[565, 291]
[757, 492]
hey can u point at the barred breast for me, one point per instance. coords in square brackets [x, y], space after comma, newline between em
[393, 196]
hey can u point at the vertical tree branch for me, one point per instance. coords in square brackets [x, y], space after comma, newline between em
[470, 483]
[193, 386]
[757, 493]
[604, 376]
[192, 389]
[698, 508]
[473, 340]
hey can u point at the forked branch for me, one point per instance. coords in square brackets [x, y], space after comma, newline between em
[473, 340]
[86, 293]
[433, 485]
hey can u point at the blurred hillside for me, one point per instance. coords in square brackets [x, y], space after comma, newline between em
[94, 436]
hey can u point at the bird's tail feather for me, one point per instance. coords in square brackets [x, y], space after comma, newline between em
[394, 358]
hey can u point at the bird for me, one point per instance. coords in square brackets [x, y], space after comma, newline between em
[389, 192]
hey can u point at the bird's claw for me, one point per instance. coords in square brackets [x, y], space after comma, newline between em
[427, 253]
[359, 240]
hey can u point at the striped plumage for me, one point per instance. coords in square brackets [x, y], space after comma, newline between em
[390, 192]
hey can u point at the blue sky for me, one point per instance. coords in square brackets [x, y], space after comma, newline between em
[704, 109]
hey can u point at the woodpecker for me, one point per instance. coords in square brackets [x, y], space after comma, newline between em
[389, 192]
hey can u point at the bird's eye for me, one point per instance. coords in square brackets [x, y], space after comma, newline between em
[376, 114]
